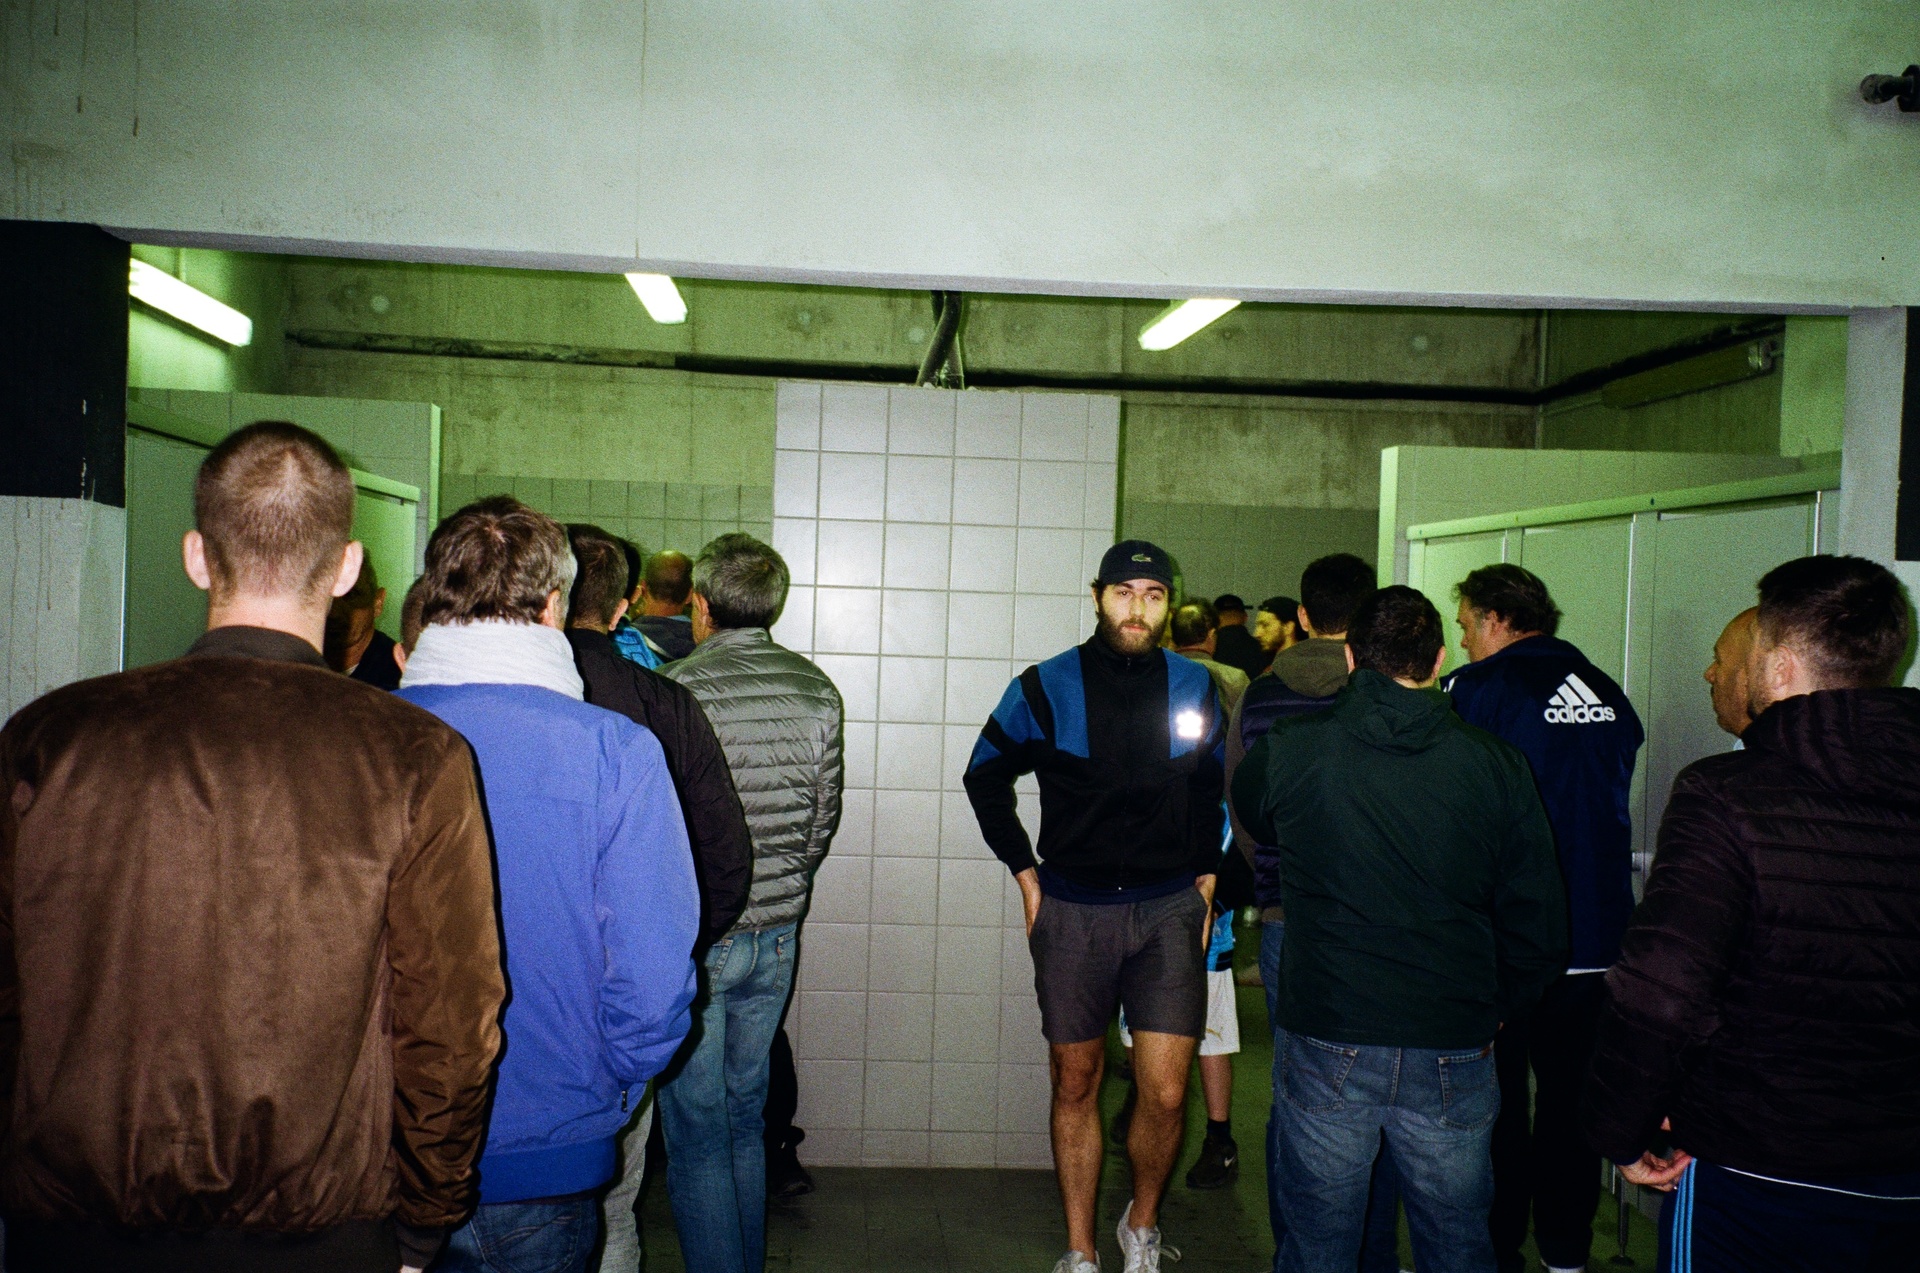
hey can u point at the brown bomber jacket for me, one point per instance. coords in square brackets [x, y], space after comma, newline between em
[249, 959]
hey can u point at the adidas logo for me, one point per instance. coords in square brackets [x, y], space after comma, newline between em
[1574, 704]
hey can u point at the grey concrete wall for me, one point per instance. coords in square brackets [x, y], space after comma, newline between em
[1716, 153]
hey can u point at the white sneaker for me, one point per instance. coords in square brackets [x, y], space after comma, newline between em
[1142, 1248]
[1075, 1262]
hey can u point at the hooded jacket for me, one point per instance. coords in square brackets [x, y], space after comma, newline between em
[1424, 905]
[251, 973]
[1767, 996]
[778, 718]
[716, 825]
[1580, 734]
[1304, 678]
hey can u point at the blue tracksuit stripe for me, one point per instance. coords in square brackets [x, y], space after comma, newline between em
[1066, 690]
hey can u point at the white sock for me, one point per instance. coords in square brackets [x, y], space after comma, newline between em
[1554, 1268]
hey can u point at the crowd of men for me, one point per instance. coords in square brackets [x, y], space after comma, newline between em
[324, 951]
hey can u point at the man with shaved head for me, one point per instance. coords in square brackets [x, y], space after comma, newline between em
[1727, 674]
[249, 967]
[662, 610]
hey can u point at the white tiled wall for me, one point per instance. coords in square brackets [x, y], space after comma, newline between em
[939, 542]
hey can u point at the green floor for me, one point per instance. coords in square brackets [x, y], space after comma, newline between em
[956, 1221]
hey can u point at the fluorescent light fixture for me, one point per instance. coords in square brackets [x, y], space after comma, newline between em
[1181, 320]
[189, 304]
[662, 299]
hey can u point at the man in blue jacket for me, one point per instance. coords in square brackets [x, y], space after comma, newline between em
[1580, 735]
[1125, 738]
[598, 900]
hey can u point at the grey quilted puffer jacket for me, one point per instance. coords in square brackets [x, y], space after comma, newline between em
[778, 718]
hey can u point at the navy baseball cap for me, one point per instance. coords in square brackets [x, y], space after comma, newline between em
[1135, 559]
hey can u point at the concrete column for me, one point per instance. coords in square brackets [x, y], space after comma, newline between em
[1870, 458]
[63, 522]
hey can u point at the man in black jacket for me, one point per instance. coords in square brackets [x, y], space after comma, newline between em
[716, 824]
[1766, 1005]
[1125, 739]
[1424, 907]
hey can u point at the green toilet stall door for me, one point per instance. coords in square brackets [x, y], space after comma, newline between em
[165, 612]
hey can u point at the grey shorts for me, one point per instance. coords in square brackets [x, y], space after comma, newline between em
[1090, 960]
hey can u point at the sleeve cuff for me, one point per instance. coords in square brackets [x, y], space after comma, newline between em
[418, 1245]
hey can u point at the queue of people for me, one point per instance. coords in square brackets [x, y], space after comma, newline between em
[1470, 1014]
[272, 1000]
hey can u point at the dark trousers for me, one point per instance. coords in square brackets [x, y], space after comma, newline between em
[1548, 1170]
[1720, 1221]
[36, 1246]
[783, 1093]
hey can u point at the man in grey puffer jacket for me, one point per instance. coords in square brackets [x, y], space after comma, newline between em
[779, 722]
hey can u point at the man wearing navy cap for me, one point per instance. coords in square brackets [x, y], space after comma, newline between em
[1126, 739]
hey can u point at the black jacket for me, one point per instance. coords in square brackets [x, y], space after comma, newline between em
[1128, 753]
[716, 824]
[1234, 645]
[1767, 997]
[1424, 904]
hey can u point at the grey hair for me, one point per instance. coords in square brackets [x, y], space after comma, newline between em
[744, 581]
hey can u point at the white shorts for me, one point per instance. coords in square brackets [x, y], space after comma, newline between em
[1223, 1018]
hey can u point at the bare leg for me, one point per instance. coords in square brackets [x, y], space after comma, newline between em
[1077, 1149]
[1216, 1080]
[1160, 1064]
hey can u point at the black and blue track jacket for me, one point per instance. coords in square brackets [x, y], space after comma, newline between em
[1580, 735]
[1130, 760]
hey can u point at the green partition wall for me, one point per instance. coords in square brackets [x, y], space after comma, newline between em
[165, 612]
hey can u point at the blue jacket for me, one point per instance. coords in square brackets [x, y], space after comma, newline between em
[1128, 754]
[599, 911]
[1579, 734]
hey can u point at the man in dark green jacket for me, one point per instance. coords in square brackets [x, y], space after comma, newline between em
[1424, 906]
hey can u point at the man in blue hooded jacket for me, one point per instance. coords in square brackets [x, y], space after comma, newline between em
[598, 901]
[1580, 735]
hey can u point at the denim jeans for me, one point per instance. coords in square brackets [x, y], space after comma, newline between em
[524, 1237]
[712, 1103]
[1380, 1250]
[1436, 1109]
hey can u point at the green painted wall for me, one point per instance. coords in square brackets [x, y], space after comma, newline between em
[165, 353]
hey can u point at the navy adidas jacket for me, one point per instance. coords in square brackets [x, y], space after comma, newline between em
[1580, 735]
[1129, 756]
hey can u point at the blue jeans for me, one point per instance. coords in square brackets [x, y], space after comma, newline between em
[524, 1237]
[1380, 1249]
[712, 1103]
[1436, 1109]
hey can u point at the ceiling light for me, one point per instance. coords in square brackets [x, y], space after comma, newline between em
[662, 299]
[156, 287]
[1181, 320]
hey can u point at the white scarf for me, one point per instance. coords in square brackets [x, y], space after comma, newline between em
[493, 652]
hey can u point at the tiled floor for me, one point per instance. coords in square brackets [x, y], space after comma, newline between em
[956, 1221]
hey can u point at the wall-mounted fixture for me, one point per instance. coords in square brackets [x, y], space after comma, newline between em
[1708, 371]
[1181, 320]
[153, 286]
[1903, 88]
[662, 299]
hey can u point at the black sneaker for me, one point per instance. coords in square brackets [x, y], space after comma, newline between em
[1219, 1165]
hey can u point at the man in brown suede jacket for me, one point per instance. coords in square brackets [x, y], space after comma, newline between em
[249, 963]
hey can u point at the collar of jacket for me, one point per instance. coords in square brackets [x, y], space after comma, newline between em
[1388, 716]
[726, 638]
[1861, 740]
[239, 641]
[1110, 659]
[1526, 646]
[1315, 667]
